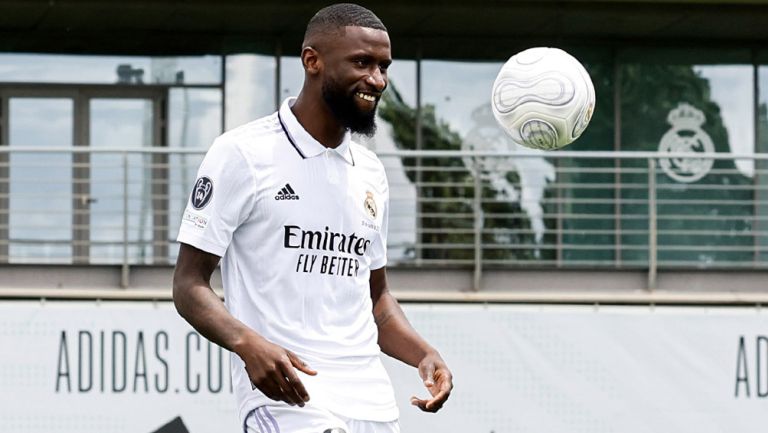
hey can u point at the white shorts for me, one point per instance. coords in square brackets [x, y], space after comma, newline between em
[309, 419]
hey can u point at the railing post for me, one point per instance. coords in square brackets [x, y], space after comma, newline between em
[124, 278]
[652, 229]
[559, 196]
[479, 222]
[5, 184]
[5, 208]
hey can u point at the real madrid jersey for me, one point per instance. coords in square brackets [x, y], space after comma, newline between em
[299, 227]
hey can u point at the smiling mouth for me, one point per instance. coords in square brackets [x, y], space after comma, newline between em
[365, 96]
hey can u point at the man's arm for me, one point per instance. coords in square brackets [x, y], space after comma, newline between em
[270, 367]
[398, 339]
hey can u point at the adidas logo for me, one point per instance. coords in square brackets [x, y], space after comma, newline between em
[287, 193]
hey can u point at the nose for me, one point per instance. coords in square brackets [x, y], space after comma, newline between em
[377, 79]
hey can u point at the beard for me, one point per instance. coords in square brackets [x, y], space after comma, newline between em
[342, 105]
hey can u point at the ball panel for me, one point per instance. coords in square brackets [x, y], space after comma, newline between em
[530, 56]
[539, 134]
[583, 120]
[549, 88]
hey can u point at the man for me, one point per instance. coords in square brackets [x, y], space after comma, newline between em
[297, 213]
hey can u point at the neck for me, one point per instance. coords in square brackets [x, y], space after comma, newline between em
[317, 119]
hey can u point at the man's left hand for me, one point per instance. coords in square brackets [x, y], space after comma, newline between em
[437, 379]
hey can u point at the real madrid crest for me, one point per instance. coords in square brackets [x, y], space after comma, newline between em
[686, 136]
[370, 205]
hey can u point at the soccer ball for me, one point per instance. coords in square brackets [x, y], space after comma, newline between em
[543, 97]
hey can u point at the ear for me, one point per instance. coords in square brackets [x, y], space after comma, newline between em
[311, 61]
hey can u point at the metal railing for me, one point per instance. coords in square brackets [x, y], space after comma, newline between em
[617, 210]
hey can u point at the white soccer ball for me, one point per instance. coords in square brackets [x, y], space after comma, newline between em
[543, 97]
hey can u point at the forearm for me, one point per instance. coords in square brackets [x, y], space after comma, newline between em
[270, 368]
[206, 312]
[397, 338]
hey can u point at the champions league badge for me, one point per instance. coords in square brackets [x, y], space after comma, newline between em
[202, 193]
[370, 205]
[686, 136]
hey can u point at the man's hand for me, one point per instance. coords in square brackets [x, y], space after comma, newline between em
[272, 369]
[438, 380]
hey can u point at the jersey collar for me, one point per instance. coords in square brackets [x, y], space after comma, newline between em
[305, 144]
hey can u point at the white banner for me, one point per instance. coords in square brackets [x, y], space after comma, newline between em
[137, 367]
[109, 367]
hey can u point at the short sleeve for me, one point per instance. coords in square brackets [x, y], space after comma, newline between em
[379, 245]
[221, 199]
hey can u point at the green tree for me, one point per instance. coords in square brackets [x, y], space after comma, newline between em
[649, 92]
[446, 190]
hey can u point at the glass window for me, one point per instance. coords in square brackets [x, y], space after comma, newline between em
[195, 121]
[250, 88]
[54, 68]
[194, 117]
[121, 123]
[291, 76]
[584, 189]
[761, 167]
[732, 89]
[457, 115]
[459, 94]
[40, 197]
[688, 101]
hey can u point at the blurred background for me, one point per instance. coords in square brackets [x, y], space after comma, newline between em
[605, 287]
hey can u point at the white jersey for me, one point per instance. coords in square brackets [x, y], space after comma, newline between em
[299, 228]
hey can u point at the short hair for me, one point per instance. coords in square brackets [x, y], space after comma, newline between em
[334, 17]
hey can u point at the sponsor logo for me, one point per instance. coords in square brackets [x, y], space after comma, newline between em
[202, 193]
[326, 252]
[287, 193]
[369, 204]
[326, 240]
[139, 363]
[195, 219]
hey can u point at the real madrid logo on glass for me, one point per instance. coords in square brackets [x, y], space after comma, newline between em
[686, 136]
[202, 193]
[369, 204]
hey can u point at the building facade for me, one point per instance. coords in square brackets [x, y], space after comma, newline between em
[136, 91]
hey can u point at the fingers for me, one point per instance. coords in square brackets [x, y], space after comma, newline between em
[432, 405]
[438, 400]
[426, 405]
[288, 392]
[271, 389]
[440, 391]
[280, 381]
[299, 364]
[281, 389]
[293, 386]
[421, 404]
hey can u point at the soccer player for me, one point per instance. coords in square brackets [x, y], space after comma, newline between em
[297, 213]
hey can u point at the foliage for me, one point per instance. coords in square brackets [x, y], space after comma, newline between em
[446, 189]
[648, 93]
